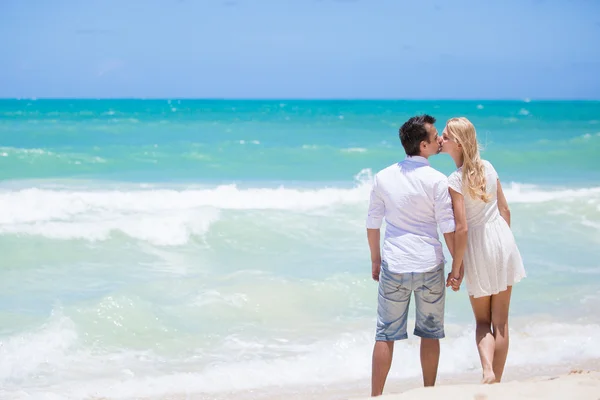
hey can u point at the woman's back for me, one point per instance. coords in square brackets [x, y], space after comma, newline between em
[492, 260]
[477, 211]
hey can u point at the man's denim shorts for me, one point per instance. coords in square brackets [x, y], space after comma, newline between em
[394, 298]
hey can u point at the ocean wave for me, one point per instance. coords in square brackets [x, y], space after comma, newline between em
[171, 216]
[160, 228]
[34, 154]
[524, 193]
[42, 205]
[22, 355]
[26, 151]
[55, 358]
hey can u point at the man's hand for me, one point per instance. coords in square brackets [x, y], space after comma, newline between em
[373, 236]
[375, 269]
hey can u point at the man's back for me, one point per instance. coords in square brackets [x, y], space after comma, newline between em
[414, 200]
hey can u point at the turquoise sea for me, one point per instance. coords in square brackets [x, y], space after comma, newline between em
[204, 247]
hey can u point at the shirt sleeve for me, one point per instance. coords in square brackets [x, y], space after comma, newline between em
[455, 182]
[491, 169]
[376, 207]
[444, 213]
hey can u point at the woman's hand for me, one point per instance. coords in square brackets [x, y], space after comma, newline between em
[455, 278]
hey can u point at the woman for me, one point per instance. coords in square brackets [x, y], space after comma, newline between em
[483, 242]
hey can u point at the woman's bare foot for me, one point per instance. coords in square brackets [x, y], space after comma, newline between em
[488, 377]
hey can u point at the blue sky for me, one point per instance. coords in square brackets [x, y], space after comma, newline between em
[536, 49]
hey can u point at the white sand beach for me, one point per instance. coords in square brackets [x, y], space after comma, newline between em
[574, 381]
[578, 384]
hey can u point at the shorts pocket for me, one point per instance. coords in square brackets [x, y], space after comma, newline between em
[433, 284]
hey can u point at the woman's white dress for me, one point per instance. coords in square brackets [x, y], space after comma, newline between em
[492, 259]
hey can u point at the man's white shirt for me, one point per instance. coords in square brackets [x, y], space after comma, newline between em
[414, 200]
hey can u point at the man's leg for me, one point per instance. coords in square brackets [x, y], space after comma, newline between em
[392, 314]
[430, 298]
[382, 361]
[430, 358]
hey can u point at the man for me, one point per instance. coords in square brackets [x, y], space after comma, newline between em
[414, 200]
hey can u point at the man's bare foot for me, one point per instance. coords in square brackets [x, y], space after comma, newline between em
[488, 378]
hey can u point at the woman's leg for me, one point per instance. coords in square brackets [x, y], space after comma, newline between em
[483, 335]
[500, 307]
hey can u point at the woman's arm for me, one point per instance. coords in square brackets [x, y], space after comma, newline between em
[503, 204]
[460, 234]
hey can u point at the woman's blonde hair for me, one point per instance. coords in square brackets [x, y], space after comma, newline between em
[473, 170]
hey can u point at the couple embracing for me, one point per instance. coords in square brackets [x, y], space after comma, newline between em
[470, 209]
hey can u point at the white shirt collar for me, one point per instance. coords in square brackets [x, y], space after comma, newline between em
[418, 159]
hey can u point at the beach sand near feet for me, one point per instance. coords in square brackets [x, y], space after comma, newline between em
[574, 381]
[579, 380]
[577, 384]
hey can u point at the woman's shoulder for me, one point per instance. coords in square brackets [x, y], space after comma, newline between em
[455, 180]
[489, 167]
[457, 173]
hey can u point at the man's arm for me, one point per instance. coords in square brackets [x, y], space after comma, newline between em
[374, 221]
[374, 237]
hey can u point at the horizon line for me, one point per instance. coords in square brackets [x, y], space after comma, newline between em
[470, 99]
